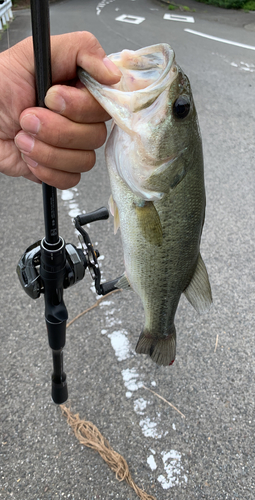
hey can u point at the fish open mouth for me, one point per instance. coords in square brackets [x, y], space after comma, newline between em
[144, 68]
[146, 73]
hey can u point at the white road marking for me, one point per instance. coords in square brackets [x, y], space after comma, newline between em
[242, 66]
[130, 377]
[222, 40]
[102, 4]
[120, 344]
[149, 428]
[130, 19]
[247, 67]
[140, 405]
[173, 468]
[183, 19]
[151, 462]
[68, 197]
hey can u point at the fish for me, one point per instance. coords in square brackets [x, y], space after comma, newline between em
[155, 163]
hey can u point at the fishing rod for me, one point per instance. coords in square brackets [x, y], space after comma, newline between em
[50, 265]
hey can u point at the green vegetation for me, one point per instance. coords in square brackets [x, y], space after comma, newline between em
[250, 5]
[231, 4]
[183, 8]
[225, 4]
[23, 4]
[20, 4]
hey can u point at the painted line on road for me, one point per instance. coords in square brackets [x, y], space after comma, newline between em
[222, 40]
[175, 17]
[130, 19]
[102, 4]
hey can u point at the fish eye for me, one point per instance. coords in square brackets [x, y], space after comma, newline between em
[181, 106]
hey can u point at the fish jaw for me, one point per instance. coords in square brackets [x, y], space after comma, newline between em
[146, 73]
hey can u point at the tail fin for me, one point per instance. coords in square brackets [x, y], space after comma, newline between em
[161, 349]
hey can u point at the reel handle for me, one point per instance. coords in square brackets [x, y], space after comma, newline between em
[99, 214]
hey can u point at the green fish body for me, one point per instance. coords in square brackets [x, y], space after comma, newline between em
[155, 162]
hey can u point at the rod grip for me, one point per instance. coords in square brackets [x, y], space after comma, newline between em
[59, 391]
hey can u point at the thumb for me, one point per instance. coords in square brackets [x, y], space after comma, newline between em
[81, 49]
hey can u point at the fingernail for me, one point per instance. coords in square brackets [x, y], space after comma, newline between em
[54, 101]
[29, 161]
[111, 66]
[24, 142]
[30, 123]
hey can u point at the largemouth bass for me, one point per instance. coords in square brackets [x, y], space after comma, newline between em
[155, 162]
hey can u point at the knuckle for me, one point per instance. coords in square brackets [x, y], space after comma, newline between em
[90, 160]
[68, 181]
[92, 44]
[58, 179]
[93, 47]
[45, 175]
[58, 142]
[101, 135]
[48, 157]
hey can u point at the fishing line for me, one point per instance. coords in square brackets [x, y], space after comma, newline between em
[89, 435]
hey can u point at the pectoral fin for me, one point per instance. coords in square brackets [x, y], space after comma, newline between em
[149, 223]
[199, 292]
[169, 174]
[114, 211]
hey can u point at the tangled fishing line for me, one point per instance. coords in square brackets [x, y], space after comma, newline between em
[89, 435]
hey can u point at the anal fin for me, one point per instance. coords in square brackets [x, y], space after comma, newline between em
[199, 292]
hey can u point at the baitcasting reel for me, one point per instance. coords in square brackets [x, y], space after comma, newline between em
[48, 269]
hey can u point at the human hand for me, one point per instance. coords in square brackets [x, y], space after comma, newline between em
[52, 145]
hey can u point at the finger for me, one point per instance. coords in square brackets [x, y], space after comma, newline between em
[76, 104]
[68, 51]
[60, 132]
[31, 177]
[55, 178]
[39, 153]
[81, 49]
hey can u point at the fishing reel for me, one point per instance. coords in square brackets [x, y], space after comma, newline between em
[77, 260]
[48, 269]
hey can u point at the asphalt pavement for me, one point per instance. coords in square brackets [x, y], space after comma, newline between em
[207, 451]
